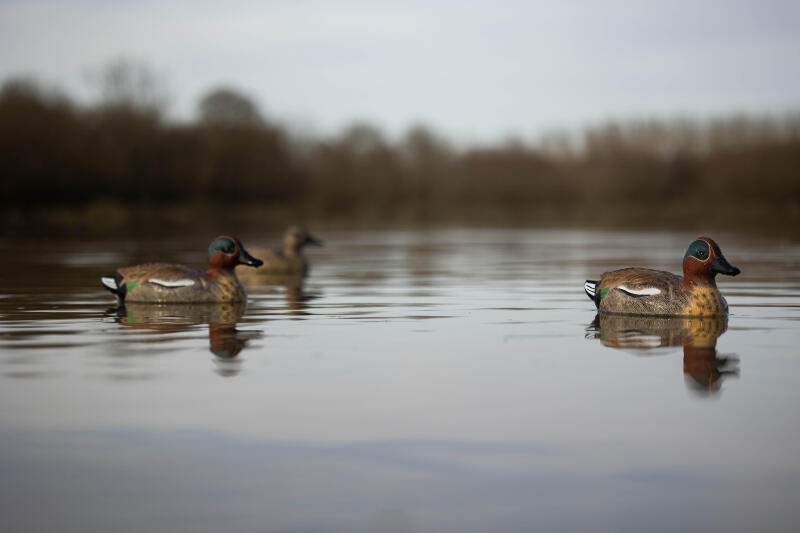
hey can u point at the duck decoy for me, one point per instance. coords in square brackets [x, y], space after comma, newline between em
[168, 283]
[642, 291]
[289, 261]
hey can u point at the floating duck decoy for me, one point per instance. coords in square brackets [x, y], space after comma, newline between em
[290, 260]
[641, 291]
[167, 283]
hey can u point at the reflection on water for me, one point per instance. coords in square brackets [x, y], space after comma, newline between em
[416, 381]
[703, 368]
[225, 341]
[297, 295]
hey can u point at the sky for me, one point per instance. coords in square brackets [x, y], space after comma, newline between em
[471, 70]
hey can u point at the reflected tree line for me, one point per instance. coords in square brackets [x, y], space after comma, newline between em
[121, 153]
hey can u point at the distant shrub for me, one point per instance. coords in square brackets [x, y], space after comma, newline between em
[53, 153]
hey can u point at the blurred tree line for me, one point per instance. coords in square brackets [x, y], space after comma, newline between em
[121, 152]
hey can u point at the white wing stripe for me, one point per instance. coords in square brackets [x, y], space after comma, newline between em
[650, 291]
[172, 284]
[589, 287]
[109, 282]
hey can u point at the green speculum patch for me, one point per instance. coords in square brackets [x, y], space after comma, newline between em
[131, 285]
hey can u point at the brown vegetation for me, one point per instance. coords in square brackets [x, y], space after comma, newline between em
[114, 160]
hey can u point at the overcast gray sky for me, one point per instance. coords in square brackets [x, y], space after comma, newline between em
[473, 70]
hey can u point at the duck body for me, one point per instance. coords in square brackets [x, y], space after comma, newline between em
[168, 283]
[288, 261]
[642, 291]
[279, 263]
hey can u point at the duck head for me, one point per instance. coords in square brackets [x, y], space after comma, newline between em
[225, 252]
[295, 238]
[704, 260]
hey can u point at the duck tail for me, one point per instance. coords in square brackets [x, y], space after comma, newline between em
[590, 286]
[114, 285]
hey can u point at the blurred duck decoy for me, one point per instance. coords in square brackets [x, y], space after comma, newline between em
[641, 291]
[167, 283]
[289, 261]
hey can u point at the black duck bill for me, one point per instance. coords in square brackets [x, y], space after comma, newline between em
[720, 265]
[246, 259]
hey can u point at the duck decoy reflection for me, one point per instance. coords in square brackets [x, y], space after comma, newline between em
[225, 340]
[703, 369]
[642, 291]
[295, 293]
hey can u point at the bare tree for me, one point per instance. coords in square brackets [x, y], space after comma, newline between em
[124, 83]
[224, 105]
[363, 138]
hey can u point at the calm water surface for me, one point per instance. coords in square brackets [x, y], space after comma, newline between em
[446, 381]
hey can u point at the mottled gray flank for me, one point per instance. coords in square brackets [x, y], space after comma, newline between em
[674, 299]
[224, 288]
